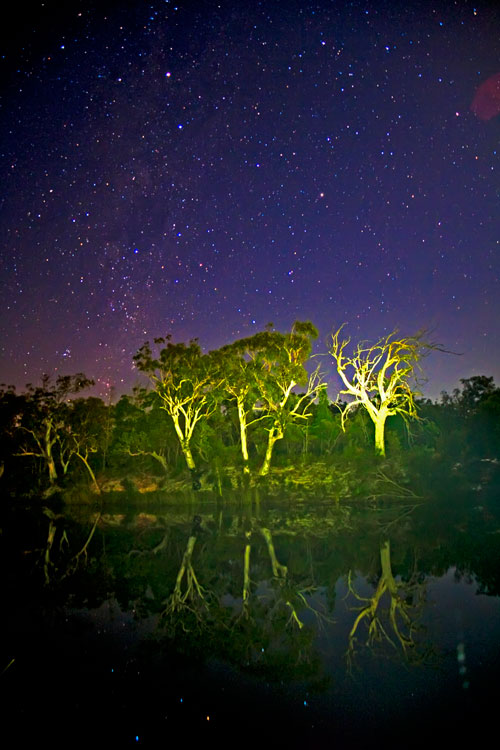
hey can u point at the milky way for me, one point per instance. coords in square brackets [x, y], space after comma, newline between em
[202, 169]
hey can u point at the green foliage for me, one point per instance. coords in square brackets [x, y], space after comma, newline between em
[470, 418]
[186, 382]
[144, 432]
[228, 410]
[258, 374]
[53, 429]
[324, 427]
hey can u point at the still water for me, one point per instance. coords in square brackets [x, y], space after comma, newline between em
[243, 621]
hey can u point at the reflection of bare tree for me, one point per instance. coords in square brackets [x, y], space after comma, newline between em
[400, 616]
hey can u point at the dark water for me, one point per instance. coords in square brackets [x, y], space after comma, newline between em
[100, 648]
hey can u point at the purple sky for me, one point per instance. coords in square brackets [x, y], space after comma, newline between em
[203, 168]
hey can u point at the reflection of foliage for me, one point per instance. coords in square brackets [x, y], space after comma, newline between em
[82, 554]
[401, 614]
[65, 566]
[248, 590]
[190, 599]
[285, 592]
[279, 593]
[260, 625]
[387, 486]
[270, 630]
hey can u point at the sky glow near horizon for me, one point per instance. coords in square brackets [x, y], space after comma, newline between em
[204, 168]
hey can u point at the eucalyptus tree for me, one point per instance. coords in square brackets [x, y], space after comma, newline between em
[45, 422]
[143, 429]
[86, 433]
[278, 367]
[473, 413]
[380, 378]
[324, 427]
[12, 405]
[475, 391]
[238, 365]
[186, 382]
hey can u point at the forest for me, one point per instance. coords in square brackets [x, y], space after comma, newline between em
[256, 411]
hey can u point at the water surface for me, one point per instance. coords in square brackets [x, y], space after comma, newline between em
[329, 622]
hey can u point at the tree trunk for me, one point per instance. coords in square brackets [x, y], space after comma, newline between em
[243, 437]
[89, 469]
[188, 455]
[279, 570]
[161, 459]
[184, 442]
[380, 433]
[385, 561]
[49, 441]
[52, 469]
[246, 574]
[275, 434]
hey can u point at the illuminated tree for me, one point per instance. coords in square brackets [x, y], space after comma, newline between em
[85, 433]
[279, 360]
[379, 378]
[143, 429]
[45, 421]
[239, 386]
[185, 381]
[258, 374]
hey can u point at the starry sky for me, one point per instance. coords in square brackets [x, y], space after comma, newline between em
[204, 168]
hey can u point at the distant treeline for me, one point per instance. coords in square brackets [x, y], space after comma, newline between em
[241, 409]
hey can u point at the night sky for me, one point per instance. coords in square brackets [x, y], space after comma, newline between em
[204, 168]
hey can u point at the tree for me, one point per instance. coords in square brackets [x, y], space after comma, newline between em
[185, 381]
[12, 406]
[475, 391]
[380, 378]
[259, 373]
[238, 365]
[45, 419]
[143, 429]
[474, 411]
[325, 425]
[280, 360]
[85, 433]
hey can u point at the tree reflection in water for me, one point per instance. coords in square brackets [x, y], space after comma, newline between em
[248, 587]
[395, 623]
[262, 625]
